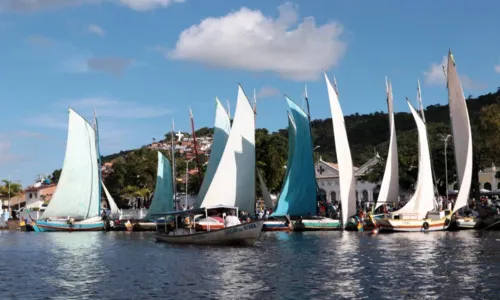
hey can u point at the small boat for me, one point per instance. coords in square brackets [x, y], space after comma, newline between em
[163, 197]
[76, 203]
[297, 199]
[466, 222]
[24, 225]
[418, 213]
[185, 232]
[434, 221]
[316, 224]
[277, 225]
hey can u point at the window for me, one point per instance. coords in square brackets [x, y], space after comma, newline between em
[487, 186]
[333, 196]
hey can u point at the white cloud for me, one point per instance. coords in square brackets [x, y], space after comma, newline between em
[497, 69]
[267, 91]
[435, 74]
[248, 40]
[30, 6]
[95, 29]
[144, 5]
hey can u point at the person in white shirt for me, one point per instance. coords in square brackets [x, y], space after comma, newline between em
[231, 220]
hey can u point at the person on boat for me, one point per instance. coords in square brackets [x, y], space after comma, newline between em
[231, 220]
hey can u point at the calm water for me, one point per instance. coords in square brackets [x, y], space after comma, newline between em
[331, 265]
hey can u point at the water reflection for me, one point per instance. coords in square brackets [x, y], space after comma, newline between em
[323, 265]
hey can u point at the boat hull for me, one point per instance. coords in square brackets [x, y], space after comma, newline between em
[243, 234]
[86, 225]
[402, 225]
[323, 224]
[275, 226]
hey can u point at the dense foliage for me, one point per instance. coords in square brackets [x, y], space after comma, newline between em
[135, 171]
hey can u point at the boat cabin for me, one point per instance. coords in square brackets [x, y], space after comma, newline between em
[194, 220]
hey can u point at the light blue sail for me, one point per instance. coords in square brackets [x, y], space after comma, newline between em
[298, 195]
[163, 198]
[221, 134]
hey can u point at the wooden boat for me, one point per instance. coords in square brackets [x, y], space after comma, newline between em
[297, 198]
[232, 188]
[435, 221]
[186, 232]
[76, 203]
[276, 225]
[316, 224]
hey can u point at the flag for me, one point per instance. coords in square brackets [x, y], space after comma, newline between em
[190, 113]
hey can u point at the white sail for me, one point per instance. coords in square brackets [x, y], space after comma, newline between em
[77, 193]
[389, 189]
[422, 200]
[234, 180]
[115, 211]
[462, 136]
[222, 128]
[268, 201]
[347, 181]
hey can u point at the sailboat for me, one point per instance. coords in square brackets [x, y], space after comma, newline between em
[418, 215]
[389, 189]
[462, 139]
[347, 181]
[76, 203]
[162, 197]
[231, 190]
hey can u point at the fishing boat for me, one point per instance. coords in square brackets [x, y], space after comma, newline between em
[231, 189]
[272, 224]
[76, 203]
[185, 231]
[389, 188]
[462, 141]
[163, 199]
[297, 200]
[347, 181]
[418, 214]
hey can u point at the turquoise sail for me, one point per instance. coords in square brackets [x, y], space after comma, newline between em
[163, 198]
[221, 134]
[298, 195]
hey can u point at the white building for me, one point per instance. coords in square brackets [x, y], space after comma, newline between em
[327, 176]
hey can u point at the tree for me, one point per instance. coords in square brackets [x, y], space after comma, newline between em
[15, 189]
[56, 175]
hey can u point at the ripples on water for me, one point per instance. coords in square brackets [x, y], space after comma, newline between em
[317, 265]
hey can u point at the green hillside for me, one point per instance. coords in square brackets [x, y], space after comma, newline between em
[367, 133]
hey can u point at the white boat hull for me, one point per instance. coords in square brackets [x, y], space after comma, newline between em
[466, 223]
[243, 234]
[402, 225]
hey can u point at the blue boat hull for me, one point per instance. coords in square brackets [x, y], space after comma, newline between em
[48, 226]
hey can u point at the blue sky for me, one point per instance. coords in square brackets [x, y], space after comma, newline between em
[141, 63]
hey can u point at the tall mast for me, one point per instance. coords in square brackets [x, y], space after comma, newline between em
[195, 147]
[419, 99]
[255, 125]
[96, 128]
[306, 99]
[174, 177]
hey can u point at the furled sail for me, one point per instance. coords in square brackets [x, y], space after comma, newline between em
[115, 211]
[298, 195]
[77, 193]
[422, 200]
[347, 181]
[389, 189]
[462, 136]
[221, 133]
[234, 180]
[163, 196]
[268, 201]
